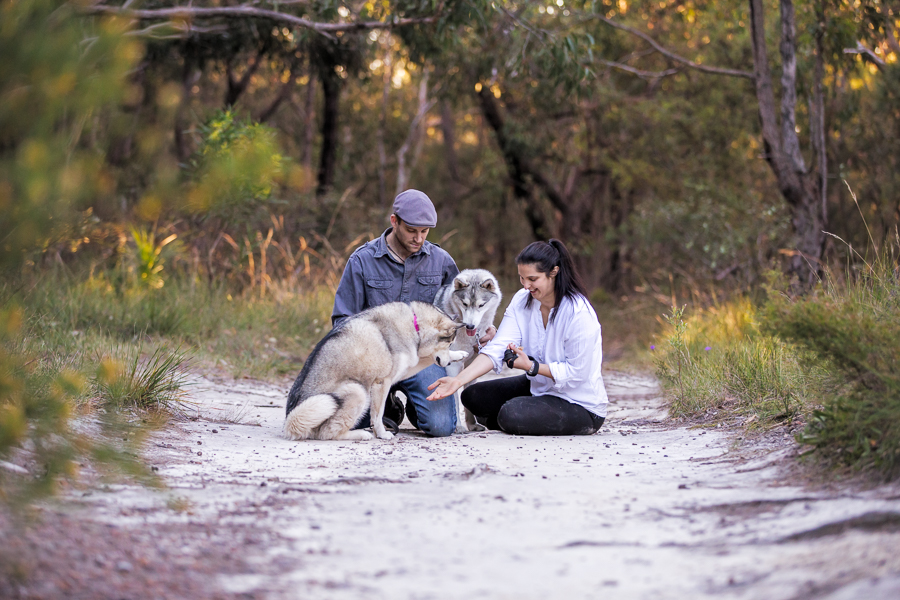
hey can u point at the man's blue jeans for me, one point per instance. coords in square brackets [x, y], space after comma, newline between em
[438, 418]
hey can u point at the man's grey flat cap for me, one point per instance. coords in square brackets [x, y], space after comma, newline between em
[415, 208]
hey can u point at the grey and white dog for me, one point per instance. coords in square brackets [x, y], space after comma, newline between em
[472, 298]
[353, 367]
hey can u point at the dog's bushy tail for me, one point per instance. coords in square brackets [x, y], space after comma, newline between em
[308, 415]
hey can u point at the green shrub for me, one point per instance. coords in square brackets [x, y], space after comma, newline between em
[235, 169]
[60, 70]
[854, 324]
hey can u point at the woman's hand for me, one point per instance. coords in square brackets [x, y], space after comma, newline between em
[445, 387]
[522, 361]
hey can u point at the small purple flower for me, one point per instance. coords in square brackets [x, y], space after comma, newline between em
[653, 347]
[708, 348]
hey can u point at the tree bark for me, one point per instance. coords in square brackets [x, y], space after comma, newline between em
[413, 139]
[382, 126]
[309, 118]
[283, 94]
[817, 112]
[516, 165]
[797, 186]
[331, 92]
[189, 77]
[236, 87]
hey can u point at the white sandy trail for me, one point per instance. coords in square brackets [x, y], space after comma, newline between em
[641, 510]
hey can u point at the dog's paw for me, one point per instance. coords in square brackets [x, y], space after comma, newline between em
[478, 427]
[461, 428]
[356, 435]
[387, 435]
[456, 355]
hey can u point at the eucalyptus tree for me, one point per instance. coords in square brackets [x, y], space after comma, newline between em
[329, 33]
[562, 49]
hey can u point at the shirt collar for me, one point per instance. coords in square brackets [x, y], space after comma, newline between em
[381, 246]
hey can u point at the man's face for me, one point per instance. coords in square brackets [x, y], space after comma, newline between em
[409, 237]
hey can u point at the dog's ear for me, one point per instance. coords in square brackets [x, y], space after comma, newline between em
[459, 284]
[489, 285]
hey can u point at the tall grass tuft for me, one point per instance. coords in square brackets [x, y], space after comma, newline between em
[125, 380]
[718, 365]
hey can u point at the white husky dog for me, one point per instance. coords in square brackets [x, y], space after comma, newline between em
[353, 367]
[472, 298]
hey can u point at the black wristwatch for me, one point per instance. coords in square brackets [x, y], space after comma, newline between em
[535, 367]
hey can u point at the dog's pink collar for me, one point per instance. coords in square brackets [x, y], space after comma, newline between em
[416, 322]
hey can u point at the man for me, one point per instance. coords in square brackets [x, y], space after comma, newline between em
[401, 266]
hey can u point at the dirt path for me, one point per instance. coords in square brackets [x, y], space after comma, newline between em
[640, 510]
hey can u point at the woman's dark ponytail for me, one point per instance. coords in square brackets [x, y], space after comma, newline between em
[547, 255]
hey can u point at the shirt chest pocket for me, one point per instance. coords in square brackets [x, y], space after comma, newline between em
[379, 291]
[427, 288]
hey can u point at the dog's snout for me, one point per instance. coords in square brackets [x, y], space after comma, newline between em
[437, 359]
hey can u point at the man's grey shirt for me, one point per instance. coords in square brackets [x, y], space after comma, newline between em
[372, 278]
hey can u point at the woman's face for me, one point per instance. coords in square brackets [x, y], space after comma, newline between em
[540, 285]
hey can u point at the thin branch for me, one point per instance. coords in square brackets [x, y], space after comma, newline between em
[867, 55]
[244, 11]
[639, 72]
[668, 53]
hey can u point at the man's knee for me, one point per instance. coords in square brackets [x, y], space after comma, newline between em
[438, 419]
[438, 430]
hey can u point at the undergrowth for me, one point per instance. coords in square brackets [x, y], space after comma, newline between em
[853, 323]
[829, 359]
[245, 335]
[718, 365]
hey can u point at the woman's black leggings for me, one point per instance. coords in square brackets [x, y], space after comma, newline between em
[507, 404]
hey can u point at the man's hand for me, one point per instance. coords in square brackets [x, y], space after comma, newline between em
[489, 334]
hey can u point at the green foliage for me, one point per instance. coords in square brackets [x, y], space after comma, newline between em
[235, 169]
[39, 395]
[718, 365]
[854, 325]
[148, 256]
[58, 72]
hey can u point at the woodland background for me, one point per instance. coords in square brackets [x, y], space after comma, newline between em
[181, 185]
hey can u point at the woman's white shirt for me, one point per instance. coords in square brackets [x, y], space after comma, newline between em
[570, 345]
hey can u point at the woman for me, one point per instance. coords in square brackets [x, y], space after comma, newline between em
[554, 333]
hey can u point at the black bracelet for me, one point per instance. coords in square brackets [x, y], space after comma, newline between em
[535, 367]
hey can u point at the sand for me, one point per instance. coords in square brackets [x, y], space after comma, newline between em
[644, 509]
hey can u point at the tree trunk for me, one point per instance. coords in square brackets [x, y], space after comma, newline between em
[189, 77]
[309, 118]
[799, 188]
[283, 94]
[331, 88]
[517, 166]
[236, 87]
[414, 138]
[382, 126]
